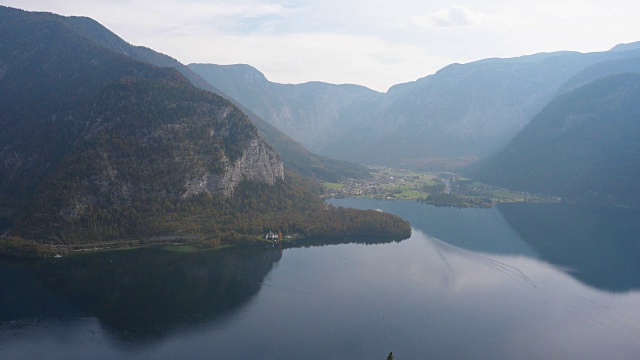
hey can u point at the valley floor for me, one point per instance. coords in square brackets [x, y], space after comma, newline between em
[438, 188]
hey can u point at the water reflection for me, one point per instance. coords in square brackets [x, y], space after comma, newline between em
[24, 295]
[142, 295]
[358, 240]
[5, 224]
[422, 298]
[598, 246]
[483, 230]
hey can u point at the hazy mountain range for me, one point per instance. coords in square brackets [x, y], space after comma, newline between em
[313, 113]
[460, 114]
[563, 124]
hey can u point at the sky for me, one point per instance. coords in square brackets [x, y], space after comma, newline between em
[372, 43]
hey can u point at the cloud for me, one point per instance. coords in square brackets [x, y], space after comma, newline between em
[169, 15]
[451, 17]
[456, 16]
[255, 10]
[573, 10]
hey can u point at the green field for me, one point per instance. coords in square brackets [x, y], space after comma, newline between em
[508, 195]
[387, 183]
[333, 186]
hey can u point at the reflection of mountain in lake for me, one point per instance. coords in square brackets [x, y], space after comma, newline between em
[145, 294]
[343, 240]
[24, 296]
[5, 223]
[482, 230]
[598, 246]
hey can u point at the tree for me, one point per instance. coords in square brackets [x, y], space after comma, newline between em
[390, 357]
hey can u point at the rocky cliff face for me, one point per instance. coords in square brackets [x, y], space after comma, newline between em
[112, 185]
[257, 163]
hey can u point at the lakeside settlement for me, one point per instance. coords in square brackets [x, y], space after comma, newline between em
[437, 188]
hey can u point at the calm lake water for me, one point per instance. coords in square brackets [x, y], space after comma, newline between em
[521, 281]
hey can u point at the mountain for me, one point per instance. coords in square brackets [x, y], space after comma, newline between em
[97, 145]
[466, 112]
[583, 146]
[626, 47]
[295, 156]
[460, 114]
[600, 70]
[48, 73]
[87, 129]
[313, 113]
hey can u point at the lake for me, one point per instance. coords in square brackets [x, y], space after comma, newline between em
[520, 281]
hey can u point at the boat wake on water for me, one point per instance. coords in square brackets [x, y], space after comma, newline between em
[445, 250]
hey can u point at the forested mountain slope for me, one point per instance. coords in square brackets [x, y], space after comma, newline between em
[97, 146]
[583, 146]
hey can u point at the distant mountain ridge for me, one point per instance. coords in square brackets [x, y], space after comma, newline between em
[462, 113]
[601, 70]
[312, 113]
[465, 111]
[626, 47]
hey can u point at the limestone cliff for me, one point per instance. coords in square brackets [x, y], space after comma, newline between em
[257, 163]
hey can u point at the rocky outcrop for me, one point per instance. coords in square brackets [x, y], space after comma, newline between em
[258, 163]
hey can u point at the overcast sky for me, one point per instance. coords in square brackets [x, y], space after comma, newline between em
[372, 43]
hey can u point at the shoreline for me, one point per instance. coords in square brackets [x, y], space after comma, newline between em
[187, 247]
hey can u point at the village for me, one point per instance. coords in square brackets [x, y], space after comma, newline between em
[439, 188]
